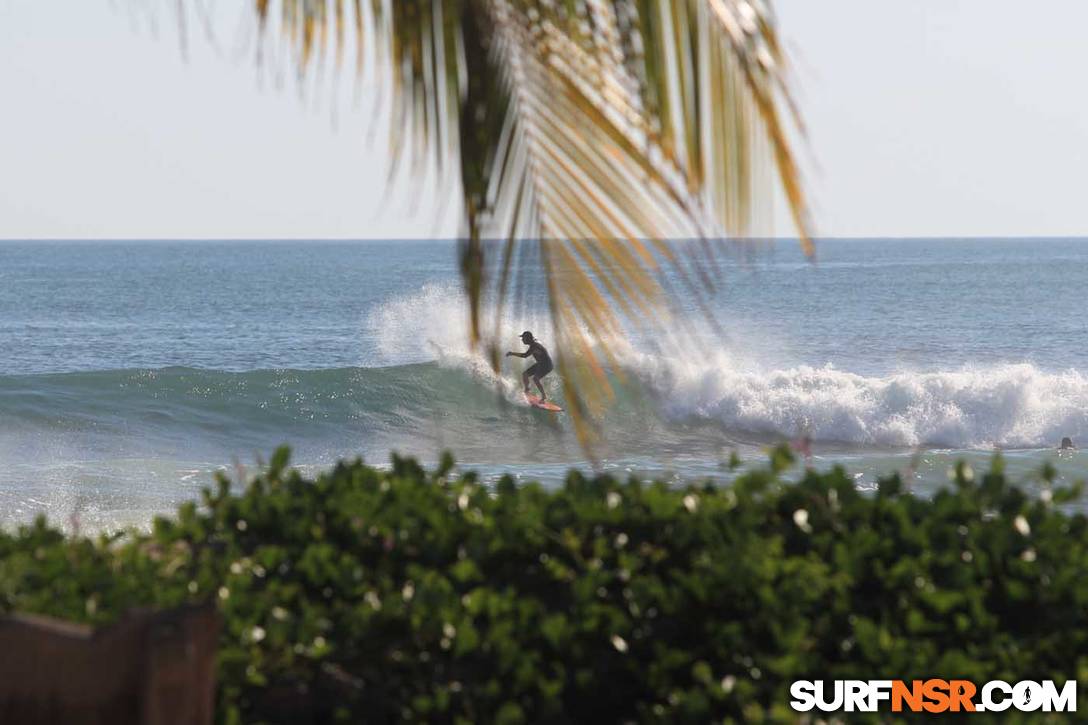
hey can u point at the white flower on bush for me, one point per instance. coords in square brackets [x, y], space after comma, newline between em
[833, 499]
[800, 517]
[619, 643]
[1021, 524]
[691, 503]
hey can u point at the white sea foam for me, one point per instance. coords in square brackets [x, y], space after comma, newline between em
[433, 324]
[1012, 405]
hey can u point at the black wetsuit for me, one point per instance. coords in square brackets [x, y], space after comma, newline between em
[543, 361]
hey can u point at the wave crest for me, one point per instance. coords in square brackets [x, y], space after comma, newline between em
[742, 391]
[1013, 406]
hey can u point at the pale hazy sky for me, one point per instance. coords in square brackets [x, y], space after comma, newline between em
[926, 118]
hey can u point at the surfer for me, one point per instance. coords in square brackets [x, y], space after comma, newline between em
[541, 367]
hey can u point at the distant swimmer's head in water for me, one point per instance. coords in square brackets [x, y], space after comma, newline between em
[1067, 444]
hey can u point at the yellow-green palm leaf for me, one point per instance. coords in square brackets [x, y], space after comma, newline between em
[589, 135]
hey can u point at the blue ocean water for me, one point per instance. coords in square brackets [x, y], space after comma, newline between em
[131, 372]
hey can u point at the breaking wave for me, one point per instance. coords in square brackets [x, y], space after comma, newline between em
[435, 382]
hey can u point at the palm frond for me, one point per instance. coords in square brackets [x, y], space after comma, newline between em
[619, 141]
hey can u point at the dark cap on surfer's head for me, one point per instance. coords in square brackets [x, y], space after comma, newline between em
[526, 336]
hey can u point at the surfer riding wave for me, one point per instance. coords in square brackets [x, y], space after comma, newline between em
[541, 367]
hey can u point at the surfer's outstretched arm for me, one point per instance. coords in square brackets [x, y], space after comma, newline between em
[518, 354]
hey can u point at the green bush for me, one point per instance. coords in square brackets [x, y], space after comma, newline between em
[371, 595]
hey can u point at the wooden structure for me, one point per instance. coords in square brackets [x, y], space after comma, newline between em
[151, 668]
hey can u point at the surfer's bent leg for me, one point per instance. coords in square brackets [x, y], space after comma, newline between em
[531, 372]
[539, 371]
